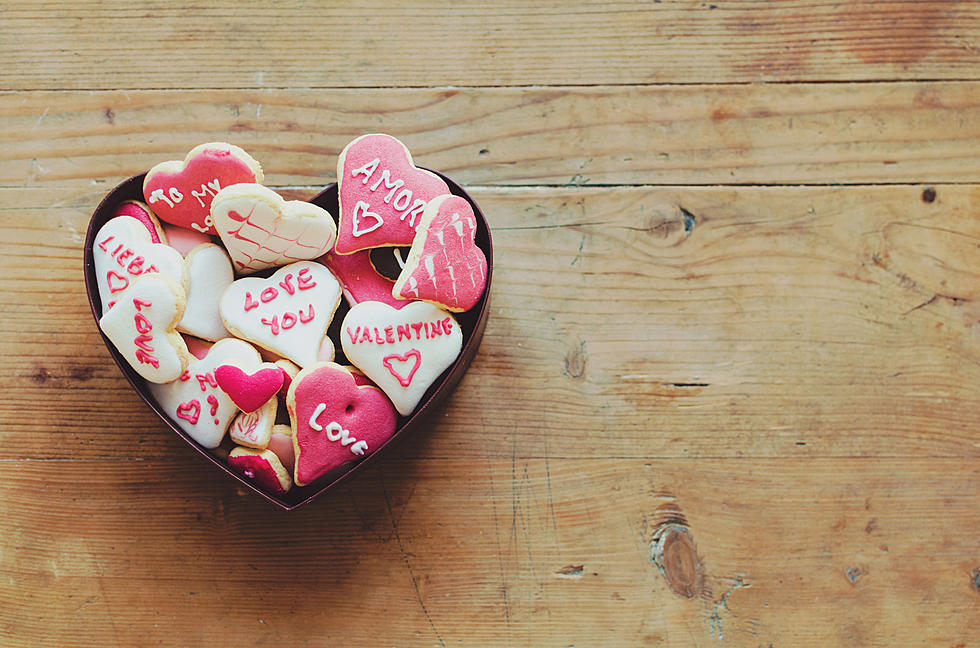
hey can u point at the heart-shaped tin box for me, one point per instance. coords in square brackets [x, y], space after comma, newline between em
[471, 323]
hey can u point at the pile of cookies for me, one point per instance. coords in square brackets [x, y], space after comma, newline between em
[219, 293]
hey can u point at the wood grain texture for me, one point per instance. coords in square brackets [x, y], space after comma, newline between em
[755, 134]
[627, 322]
[90, 44]
[477, 552]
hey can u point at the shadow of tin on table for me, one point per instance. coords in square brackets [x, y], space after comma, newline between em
[472, 324]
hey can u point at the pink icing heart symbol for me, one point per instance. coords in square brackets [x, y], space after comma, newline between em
[250, 391]
[190, 411]
[414, 354]
[382, 194]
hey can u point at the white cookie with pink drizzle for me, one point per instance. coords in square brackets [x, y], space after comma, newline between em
[262, 230]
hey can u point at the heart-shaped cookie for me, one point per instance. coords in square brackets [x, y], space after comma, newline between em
[402, 351]
[250, 390]
[142, 327]
[180, 192]
[195, 403]
[444, 266]
[123, 250]
[254, 429]
[359, 278]
[334, 420]
[209, 274]
[262, 467]
[382, 194]
[288, 313]
[261, 230]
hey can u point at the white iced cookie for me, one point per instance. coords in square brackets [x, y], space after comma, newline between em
[209, 275]
[254, 429]
[402, 351]
[261, 230]
[141, 326]
[123, 250]
[288, 313]
[195, 402]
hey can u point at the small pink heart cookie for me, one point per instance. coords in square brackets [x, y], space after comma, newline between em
[262, 467]
[195, 402]
[334, 420]
[250, 390]
[261, 230]
[254, 429]
[181, 192]
[402, 351]
[359, 278]
[142, 327]
[288, 313]
[281, 442]
[381, 193]
[123, 250]
[208, 276]
[184, 240]
[444, 266]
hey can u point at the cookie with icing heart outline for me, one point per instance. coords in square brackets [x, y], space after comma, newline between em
[403, 351]
[381, 194]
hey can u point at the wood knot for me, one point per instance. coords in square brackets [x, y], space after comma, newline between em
[672, 550]
[575, 361]
[928, 195]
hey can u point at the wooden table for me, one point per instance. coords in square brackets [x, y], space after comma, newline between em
[728, 392]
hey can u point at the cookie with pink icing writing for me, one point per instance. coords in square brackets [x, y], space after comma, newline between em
[402, 351]
[262, 467]
[195, 402]
[209, 274]
[254, 429]
[360, 279]
[142, 328]
[180, 192]
[142, 213]
[123, 251]
[382, 194]
[334, 420]
[287, 313]
[445, 267]
[261, 230]
[253, 389]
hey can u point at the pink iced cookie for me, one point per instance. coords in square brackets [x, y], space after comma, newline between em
[262, 467]
[402, 351]
[184, 240]
[145, 215]
[334, 420]
[359, 278]
[250, 390]
[261, 230]
[180, 192]
[382, 194]
[444, 266]
[196, 346]
[281, 442]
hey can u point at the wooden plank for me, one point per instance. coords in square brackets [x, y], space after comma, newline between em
[627, 322]
[754, 134]
[91, 44]
[505, 551]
